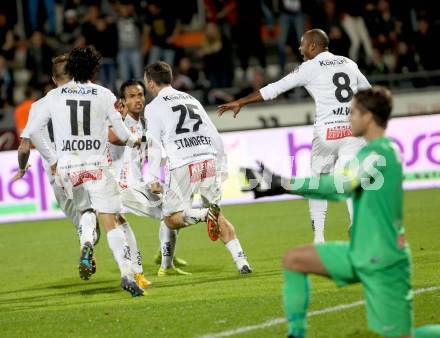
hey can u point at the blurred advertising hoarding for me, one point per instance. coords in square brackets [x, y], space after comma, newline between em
[283, 150]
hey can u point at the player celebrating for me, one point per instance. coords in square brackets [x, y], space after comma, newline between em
[195, 155]
[332, 81]
[79, 111]
[377, 255]
[127, 163]
[59, 77]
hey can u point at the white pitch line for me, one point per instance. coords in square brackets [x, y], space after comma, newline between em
[277, 321]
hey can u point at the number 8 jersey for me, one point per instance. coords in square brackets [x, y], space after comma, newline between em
[179, 122]
[331, 80]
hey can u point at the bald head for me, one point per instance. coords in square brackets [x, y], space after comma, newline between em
[318, 37]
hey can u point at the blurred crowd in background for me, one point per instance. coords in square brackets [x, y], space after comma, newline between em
[220, 49]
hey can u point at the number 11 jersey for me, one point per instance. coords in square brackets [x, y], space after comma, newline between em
[81, 113]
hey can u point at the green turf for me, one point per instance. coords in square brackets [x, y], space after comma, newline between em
[41, 294]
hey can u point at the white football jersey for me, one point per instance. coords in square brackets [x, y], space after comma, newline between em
[80, 114]
[127, 162]
[43, 139]
[331, 80]
[179, 123]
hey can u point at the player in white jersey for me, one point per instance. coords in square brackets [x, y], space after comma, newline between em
[331, 80]
[177, 122]
[80, 113]
[127, 163]
[59, 77]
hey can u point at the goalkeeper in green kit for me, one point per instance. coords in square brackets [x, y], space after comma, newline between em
[376, 255]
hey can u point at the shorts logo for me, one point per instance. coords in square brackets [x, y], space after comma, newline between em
[80, 177]
[338, 132]
[200, 170]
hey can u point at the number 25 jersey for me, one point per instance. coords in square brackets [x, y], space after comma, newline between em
[179, 122]
[330, 79]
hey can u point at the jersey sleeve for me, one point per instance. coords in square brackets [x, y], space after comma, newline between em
[363, 172]
[39, 118]
[299, 77]
[154, 150]
[363, 83]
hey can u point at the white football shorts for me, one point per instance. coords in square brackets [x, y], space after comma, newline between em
[332, 148]
[90, 185]
[139, 200]
[182, 183]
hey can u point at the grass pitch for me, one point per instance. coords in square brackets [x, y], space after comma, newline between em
[41, 294]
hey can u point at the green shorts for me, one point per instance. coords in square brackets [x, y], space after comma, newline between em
[388, 292]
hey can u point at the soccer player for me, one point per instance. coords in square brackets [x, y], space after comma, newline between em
[331, 80]
[195, 156]
[59, 77]
[377, 254]
[80, 113]
[136, 196]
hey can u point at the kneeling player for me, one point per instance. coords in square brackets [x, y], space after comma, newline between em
[376, 255]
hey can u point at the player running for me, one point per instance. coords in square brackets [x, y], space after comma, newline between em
[377, 254]
[59, 77]
[331, 80]
[195, 155]
[80, 111]
[127, 163]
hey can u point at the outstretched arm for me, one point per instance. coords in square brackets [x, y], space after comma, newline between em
[236, 105]
[299, 77]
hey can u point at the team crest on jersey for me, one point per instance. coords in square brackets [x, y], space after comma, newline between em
[336, 133]
[80, 177]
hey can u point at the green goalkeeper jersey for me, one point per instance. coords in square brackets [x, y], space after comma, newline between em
[374, 180]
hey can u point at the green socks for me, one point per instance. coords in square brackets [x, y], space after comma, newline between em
[296, 300]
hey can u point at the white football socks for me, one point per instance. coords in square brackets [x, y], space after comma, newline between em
[87, 228]
[318, 210]
[167, 239]
[193, 216]
[121, 251]
[136, 258]
[237, 253]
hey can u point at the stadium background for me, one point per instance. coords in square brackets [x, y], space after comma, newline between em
[41, 294]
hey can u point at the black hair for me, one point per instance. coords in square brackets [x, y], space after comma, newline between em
[378, 101]
[160, 72]
[130, 83]
[83, 63]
